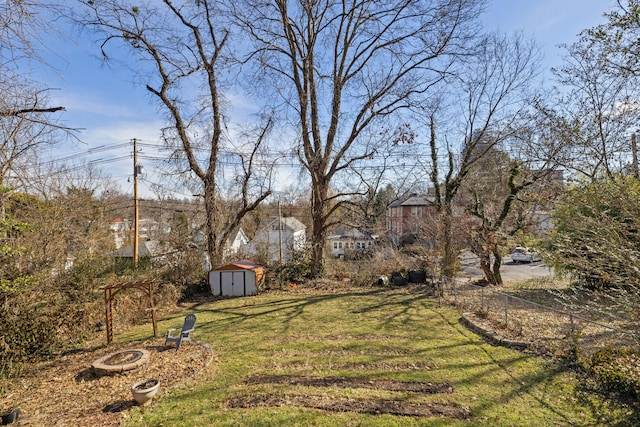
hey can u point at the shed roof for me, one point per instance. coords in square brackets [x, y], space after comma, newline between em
[244, 264]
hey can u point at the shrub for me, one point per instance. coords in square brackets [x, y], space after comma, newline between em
[296, 271]
[617, 369]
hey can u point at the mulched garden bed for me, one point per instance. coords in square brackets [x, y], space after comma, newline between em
[68, 391]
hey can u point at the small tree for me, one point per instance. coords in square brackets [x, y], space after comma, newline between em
[596, 233]
[500, 203]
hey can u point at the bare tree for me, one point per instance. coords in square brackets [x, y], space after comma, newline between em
[185, 49]
[618, 37]
[342, 68]
[494, 92]
[595, 110]
[503, 194]
[26, 119]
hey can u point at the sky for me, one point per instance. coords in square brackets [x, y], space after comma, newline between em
[111, 109]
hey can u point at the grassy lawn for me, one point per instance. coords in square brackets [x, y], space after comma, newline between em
[327, 359]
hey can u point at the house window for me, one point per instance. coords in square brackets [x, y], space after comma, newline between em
[335, 245]
[416, 211]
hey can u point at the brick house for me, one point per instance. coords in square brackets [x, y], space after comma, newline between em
[412, 218]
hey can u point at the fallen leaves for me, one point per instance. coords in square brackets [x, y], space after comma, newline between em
[68, 390]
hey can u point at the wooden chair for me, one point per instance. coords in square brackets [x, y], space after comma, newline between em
[184, 334]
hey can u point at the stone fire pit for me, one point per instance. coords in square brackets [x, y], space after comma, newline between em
[121, 361]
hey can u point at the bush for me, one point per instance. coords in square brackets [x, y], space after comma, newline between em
[617, 369]
[59, 312]
[295, 271]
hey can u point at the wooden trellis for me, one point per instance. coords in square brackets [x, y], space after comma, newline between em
[110, 292]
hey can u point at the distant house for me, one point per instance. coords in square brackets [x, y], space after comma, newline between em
[237, 243]
[345, 242]
[280, 237]
[148, 229]
[412, 218]
[121, 230]
[149, 252]
[146, 249]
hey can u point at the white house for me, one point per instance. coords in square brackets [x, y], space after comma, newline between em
[281, 237]
[349, 241]
[236, 244]
[121, 229]
[146, 248]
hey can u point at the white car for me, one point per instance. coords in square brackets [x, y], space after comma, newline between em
[522, 254]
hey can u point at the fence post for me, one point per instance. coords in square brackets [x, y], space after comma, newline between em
[506, 310]
[573, 330]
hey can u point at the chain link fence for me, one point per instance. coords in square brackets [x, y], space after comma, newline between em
[522, 323]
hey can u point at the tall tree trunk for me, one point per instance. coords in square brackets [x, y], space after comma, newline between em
[449, 258]
[214, 249]
[485, 266]
[319, 230]
[497, 263]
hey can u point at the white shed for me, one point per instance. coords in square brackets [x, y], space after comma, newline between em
[237, 279]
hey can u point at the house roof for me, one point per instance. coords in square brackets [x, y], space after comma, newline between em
[239, 233]
[345, 232]
[289, 222]
[148, 248]
[413, 200]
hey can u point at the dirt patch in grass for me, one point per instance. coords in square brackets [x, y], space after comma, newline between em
[395, 366]
[363, 405]
[356, 382]
[360, 405]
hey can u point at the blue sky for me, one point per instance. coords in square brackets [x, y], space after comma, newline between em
[549, 22]
[112, 110]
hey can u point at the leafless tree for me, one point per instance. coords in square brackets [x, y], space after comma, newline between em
[343, 68]
[27, 121]
[494, 91]
[184, 52]
[596, 109]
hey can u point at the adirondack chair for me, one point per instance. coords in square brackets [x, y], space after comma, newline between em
[184, 334]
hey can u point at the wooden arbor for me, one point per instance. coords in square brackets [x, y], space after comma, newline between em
[110, 292]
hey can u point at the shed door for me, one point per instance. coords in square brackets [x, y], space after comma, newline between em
[238, 284]
[226, 283]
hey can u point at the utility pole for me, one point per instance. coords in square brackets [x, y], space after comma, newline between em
[135, 203]
[634, 154]
[280, 229]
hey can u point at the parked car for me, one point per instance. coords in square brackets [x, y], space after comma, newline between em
[522, 254]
